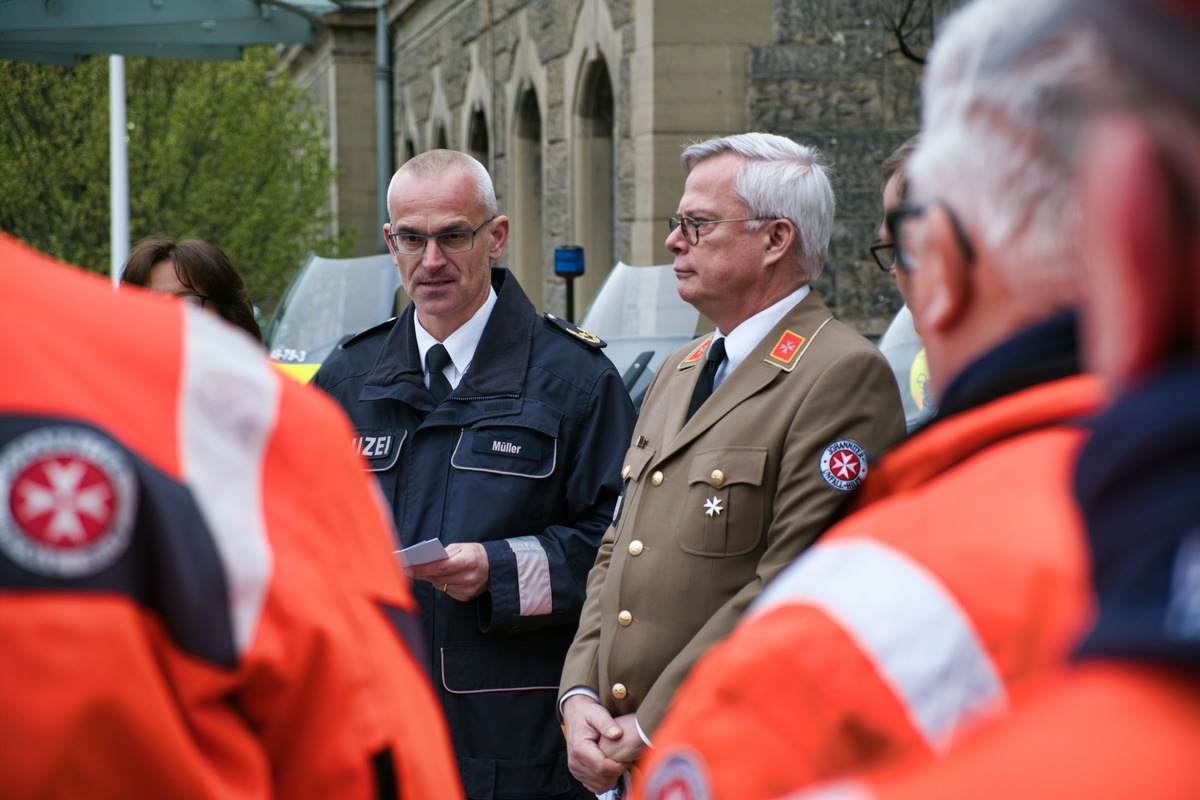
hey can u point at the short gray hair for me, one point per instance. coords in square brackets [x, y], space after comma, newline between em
[435, 163]
[994, 148]
[779, 178]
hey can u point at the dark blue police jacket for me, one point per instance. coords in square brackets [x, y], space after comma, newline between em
[524, 456]
[1138, 484]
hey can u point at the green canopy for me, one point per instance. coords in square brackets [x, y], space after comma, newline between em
[60, 31]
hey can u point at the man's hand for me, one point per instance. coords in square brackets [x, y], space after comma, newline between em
[463, 575]
[626, 749]
[587, 724]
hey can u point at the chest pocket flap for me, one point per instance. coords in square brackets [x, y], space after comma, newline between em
[730, 465]
[725, 505]
[524, 446]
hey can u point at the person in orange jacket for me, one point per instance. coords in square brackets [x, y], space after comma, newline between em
[1123, 718]
[1104, 730]
[197, 598]
[960, 570]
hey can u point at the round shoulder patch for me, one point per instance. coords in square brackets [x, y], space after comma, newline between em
[67, 501]
[681, 776]
[844, 464]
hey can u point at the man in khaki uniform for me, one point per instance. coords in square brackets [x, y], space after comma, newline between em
[722, 491]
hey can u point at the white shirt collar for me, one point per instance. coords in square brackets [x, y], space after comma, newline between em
[461, 344]
[745, 337]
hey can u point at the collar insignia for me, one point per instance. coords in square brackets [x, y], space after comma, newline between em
[696, 354]
[787, 348]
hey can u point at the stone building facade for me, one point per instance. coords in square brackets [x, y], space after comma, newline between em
[579, 108]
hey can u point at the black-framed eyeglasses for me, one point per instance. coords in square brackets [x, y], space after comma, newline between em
[884, 254]
[691, 225]
[408, 243]
[898, 223]
[195, 298]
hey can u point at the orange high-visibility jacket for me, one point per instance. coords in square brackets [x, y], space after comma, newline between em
[960, 570]
[1107, 730]
[197, 594]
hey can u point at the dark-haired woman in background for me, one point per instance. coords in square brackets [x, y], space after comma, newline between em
[195, 271]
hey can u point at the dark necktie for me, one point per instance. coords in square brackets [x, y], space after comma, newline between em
[436, 360]
[704, 386]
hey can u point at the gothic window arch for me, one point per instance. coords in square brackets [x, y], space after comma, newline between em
[594, 178]
[528, 253]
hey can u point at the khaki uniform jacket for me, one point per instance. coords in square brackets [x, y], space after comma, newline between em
[714, 508]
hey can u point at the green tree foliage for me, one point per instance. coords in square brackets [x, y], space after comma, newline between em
[223, 151]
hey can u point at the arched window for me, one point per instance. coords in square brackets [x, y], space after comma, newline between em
[477, 137]
[527, 260]
[594, 176]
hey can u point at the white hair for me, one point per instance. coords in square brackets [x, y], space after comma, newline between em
[779, 178]
[993, 149]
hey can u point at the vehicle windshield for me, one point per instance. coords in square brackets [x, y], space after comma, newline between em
[902, 348]
[639, 313]
[330, 299]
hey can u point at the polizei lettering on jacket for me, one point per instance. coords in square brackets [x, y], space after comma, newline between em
[373, 446]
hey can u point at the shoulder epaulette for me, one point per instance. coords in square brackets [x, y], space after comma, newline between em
[585, 338]
[382, 327]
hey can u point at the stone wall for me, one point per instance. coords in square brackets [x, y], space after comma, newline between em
[824, 72]
[831, 80]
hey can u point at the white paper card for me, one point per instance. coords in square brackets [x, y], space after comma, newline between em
[424, 552]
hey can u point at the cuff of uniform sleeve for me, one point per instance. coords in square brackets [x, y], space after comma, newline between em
[497, 605]
[642, 733]
[571, 693]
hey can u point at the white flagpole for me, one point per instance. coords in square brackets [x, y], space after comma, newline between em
[118, 167]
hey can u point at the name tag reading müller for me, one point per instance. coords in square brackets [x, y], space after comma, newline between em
[490, 443]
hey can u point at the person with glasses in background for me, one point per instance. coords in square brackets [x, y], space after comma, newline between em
[901, 344]
[196, 272]
[748, 442]
[960, 572]
[498, 433]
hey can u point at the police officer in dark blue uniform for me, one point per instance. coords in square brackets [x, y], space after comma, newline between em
[501, 434]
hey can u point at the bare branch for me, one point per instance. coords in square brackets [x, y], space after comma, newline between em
[911, 22]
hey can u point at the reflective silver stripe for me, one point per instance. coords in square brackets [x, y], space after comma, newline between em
[228, 407]
[835, 790]
[1183, 606]
[920, 640]
[533, 576]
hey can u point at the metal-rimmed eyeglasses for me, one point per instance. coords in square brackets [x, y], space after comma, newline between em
[899, 229]
[408, 243]
[884, 254]
[691, 225]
